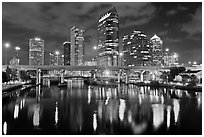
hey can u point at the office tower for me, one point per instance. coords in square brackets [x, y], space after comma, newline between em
[56, 59]
[136, 50]
[67, 53]
[157, 50]
[77, 46]
[170, 59]
[36, 51]
[108, 39]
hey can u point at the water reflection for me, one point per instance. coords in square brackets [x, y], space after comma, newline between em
[168, 115]
[158, 115]
[176, 108]
[56, 113]
[5, 128]
[94, 122]
[16, 111]
[36, 115]
[99, 110]
[122, 109]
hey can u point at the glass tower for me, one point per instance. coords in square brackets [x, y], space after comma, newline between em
[108, 39]
[157, 50]
[137, 50]
[36, 51]
[77, 46]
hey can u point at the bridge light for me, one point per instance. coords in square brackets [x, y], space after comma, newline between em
[107, 72]
[7, 45]
[17, 48]
[175, 55]
[95, 47]
[37, 39]
[57, 52]
[120, 54]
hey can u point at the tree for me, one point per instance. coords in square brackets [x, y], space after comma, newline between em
[5, 77]
[24, 76]
[9, 73]
[175, 71]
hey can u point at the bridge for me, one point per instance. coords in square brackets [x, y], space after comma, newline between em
[96, 70]
[82, 68]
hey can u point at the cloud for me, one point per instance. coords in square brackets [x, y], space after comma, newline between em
[163, 33]
[56, 18]
[171, 12]
[195, 25]
[182, 8]
[171, 40]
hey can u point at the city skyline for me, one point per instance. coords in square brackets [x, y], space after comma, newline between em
[177, 24]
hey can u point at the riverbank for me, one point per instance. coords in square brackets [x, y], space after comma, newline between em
[151, 84]
[13, 86]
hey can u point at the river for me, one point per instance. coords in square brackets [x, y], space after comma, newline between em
[84, 110]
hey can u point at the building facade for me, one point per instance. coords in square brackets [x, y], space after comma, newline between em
[77, 46]
[36, 51]
[67, 53]
[56, 59]
[108, 39]
[136, 50]
[170, 59]
[157, 50]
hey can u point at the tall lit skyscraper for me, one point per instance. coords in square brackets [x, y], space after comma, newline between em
[108, 39]
[67, 52]
[36, 51]
[157, 50]
[137, 50]
[77, 46]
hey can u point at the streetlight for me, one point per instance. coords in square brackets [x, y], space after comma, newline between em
[175, 55]
[189, 62]
[7, 45]
[194, 62]
[167, 50]
[95, 47]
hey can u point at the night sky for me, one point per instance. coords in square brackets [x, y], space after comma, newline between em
[179, 25]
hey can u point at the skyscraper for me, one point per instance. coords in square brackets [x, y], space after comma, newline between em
[36, 51]
[67, 53]
[157, 50]
[108, 39]
[136, 50]
[77, 46]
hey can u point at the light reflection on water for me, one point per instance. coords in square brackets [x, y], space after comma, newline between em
[80, 109]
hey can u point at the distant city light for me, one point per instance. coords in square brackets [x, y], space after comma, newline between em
[17, 48]
[120, 54]
[37, 38]
[57, 52]
[189, 62]
[107, 72]
[167, 50]
[194, 62]
[175, 55]
[7, 45]
[95, 47]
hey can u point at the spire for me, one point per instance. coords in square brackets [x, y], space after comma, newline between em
[113, 10]
[155, 37]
